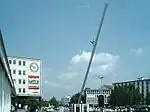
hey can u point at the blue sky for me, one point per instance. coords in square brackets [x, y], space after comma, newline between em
[58, 32]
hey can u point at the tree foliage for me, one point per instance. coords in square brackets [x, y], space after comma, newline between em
[148, 99]
[53, 102]
[44, 103]
[32, 102]
[75, 97]
[125, 95]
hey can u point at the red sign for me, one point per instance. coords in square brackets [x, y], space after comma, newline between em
[33, 87]
[31, 76]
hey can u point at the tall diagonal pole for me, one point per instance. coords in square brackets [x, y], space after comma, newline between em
[93, 51]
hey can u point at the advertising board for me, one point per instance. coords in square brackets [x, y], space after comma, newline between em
[34, 78]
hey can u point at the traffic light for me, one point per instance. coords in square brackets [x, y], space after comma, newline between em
[101, 100]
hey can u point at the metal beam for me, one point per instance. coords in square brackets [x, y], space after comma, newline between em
[93, 51]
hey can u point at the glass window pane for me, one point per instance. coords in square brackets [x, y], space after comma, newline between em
[24, 72]
[24, 81]
[9, 61]
[19, 90]
[19, 72]
[19, 81]
[24, 63]
[14, 71]
[24, 90]
[14, 61]
[19, 62]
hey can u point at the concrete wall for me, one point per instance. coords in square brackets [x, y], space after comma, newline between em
[5, 93]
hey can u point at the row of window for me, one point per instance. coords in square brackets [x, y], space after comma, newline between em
[133, 83]
[95, 100]
[20, 81]
[19, 62]
[20, 90]
[98, 92]
[19, 72]
[142, 86]
[92, 101]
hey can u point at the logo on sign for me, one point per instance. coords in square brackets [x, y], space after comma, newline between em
[34, 67]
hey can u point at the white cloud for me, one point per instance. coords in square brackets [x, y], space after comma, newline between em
[84, 5]
[103, 64]
[71, 80]
[138, 51]
[55, 84]
[67, 76]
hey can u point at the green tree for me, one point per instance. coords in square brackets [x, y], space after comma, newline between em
[44, 103]
[75, 97]
[53, 102]
[125, 95]
[32, 102]
[148, 99]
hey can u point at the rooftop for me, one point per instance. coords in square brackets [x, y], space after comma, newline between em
[107, 86]
[102, 87]
[23, 57]
[131, 81]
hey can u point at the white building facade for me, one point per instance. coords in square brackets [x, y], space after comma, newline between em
[66, 100]
[92, 94]
[80, 108]
[26, 74]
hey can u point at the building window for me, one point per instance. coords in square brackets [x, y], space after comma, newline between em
[24, 72]
[24, 90]
[19, 72]
[19, 90]
[14, 61]
[9, 61]
[24, 63]
[19, 81]
[143, 88]
[19, 62]
[147, 87]
[104, 91]
[14, 80]
[14, 71]
[24, 81]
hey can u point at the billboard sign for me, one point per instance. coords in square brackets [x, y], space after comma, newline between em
[34, 79]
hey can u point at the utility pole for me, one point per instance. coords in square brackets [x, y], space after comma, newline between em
[101, 78]
[94, 43]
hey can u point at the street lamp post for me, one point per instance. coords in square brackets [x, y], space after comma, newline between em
[101, 78]
[140, 78]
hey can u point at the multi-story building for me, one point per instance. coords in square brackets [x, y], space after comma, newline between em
[143, 85]
[66, 100]
[26, 74]
[92, 94]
